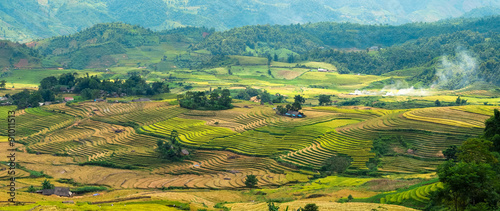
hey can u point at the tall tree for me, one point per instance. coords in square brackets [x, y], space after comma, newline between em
[492, 130]
[3, 83]
[324, 99]
[251, 181]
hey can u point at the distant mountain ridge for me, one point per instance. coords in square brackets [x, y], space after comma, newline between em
[31, 19]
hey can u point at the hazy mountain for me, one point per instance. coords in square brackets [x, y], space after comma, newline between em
[28, 19]
[482, 12]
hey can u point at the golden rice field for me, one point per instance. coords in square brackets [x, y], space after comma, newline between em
[104, 132]
[322, 205]
[420, 194]
[226, 146]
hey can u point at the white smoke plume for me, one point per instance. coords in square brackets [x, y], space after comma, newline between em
[401, 88]
[456, 73]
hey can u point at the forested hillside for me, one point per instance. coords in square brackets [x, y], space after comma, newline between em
[414, 50]
[31, 19]
[302, 38]
[17, 55]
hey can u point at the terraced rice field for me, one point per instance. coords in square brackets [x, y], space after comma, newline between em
[122, 178]
[90, 140]
[334, 181]
[37, 111]
[226, 146]
[358, 150]
[141, 115]
[268, 140]
[4, 173]
[445, 116]
[406, 165]
[4, 111]
[191, 132]
[238, 119]
[330, 145]
[212, 162]
[420, 194]
[32, 124]
[322, 205]
[78, 110]
[476, 109]
[428, 137]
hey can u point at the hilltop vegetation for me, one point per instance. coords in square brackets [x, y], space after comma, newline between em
[416, 48]
[416, 51]
[301, 38]
[17, 55]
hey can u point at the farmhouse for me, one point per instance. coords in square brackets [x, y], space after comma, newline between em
[294, 114]
[59, 191]
[322, 70]
[67, 99]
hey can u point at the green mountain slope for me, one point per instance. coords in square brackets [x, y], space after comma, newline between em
[255, 40]
[415, 47]
[14, 55]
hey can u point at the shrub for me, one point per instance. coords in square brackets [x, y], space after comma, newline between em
[32, 189]
[47, 185]
[251, 181]
[310, 207]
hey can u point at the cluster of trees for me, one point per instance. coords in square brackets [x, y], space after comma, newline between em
[471, 176]
[324, 100]
[91, 87]
[262, 95]
[336, 164]
[218, 99]
[28, 98]
[295, 106]
[172, 150]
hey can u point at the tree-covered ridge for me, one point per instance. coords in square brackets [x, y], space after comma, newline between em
[410, 54]
[302, 38]
[417, 45]
[17, 55]
[125, 35]
[97, 43]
